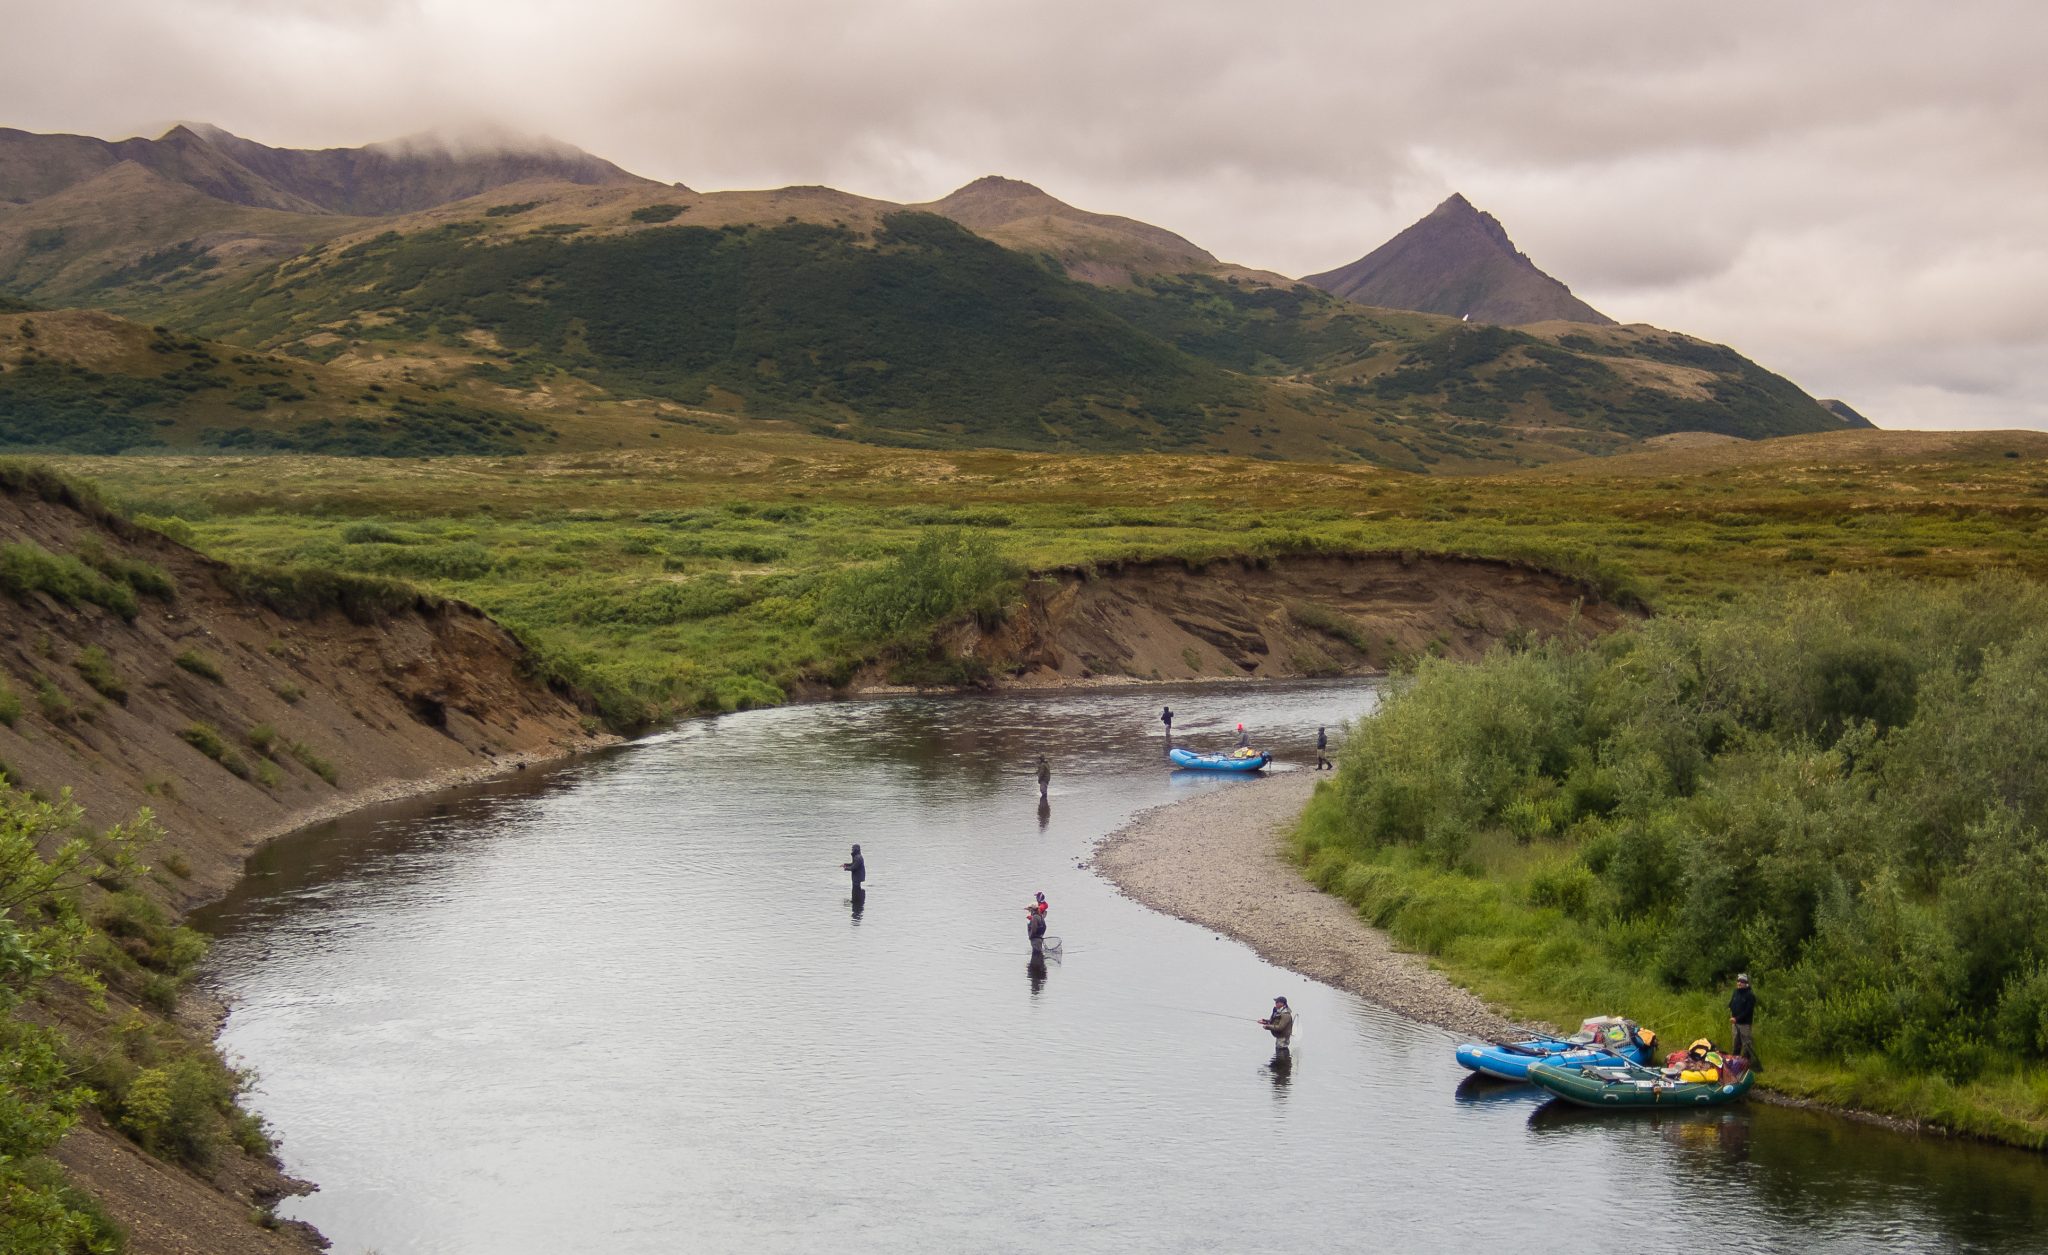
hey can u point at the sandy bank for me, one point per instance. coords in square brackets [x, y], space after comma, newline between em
[1216, 860]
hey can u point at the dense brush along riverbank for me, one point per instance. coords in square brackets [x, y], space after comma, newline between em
[632, 1000]
[1839, 788]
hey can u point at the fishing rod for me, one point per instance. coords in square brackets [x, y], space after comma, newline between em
[1221, 1015]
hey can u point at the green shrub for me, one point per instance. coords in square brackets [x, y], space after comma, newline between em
[144, 577]
[307, 592]
[201, 665]
[10, 704]
[262, 738]
[50, 699]
[373, 534]
[313, 762]
[290, 693]
[97, 669]
[205, 738]
[947, 573]
[27, 568]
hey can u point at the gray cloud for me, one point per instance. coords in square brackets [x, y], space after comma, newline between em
[1850, 192]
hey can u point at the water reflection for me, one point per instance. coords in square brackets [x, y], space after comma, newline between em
[1281, 1069]
[455, 1009]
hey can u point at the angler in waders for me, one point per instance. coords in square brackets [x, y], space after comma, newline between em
[858, 867]
[1280, 1024]
[1044, 777]
[1034, 929]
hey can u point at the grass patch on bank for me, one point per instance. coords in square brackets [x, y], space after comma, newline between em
[1841, 789]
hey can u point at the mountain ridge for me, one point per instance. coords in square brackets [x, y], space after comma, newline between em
[394, 176]
[995, 316]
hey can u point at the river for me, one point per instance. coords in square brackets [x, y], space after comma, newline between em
[630, 1005]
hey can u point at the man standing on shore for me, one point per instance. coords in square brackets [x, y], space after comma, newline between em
[1741, 1011]
[1166, 717]
[1322, 746]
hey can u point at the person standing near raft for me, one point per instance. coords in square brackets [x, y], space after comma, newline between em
[1741, 1012]
[859, 868]
[1166, 717]
[1322, 748]
[1044, 777]
[1280, 1024]
[1244, 740]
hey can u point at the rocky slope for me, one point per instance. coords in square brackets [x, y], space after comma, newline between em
[1458, 261]
[234, 706]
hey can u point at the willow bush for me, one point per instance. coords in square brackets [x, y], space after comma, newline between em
[1840, 786]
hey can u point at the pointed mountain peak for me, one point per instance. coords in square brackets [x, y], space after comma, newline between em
[186, 133]
[1457, 260]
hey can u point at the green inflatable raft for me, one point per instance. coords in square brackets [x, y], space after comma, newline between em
[1629, 1086]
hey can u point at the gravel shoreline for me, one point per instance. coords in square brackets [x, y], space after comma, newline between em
[1218, 860]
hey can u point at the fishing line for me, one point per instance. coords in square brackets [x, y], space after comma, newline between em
[1221, 1015]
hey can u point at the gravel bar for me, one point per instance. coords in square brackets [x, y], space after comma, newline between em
[1219, 860]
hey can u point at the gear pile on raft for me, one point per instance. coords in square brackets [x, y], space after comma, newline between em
[1607, 1065]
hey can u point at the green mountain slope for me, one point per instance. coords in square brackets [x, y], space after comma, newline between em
[922, 332]
[82, 381]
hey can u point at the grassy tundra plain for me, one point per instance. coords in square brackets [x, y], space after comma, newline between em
[717, 576]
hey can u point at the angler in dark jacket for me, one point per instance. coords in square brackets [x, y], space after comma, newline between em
[1034, 928]
[1280, 1024]
[858, 867]
[1741, 1011]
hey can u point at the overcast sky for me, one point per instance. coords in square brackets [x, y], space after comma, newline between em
[1853, 193]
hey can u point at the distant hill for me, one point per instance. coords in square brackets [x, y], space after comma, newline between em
[1458, 261]
[400, 176]
[1094, 248]
[549, 312]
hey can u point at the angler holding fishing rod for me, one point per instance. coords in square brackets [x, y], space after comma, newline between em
[1280, 1024]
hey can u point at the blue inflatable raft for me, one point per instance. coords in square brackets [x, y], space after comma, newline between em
[1602, 1039]
[1192, 761]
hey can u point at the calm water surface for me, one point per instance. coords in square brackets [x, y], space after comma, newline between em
[630, 1005]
